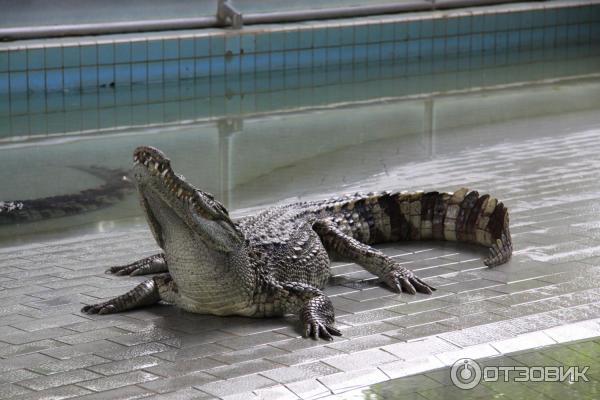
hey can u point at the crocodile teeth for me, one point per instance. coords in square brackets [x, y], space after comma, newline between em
[179, 192]
[164, 173]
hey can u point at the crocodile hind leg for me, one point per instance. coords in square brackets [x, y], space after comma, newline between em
[315, 308]
[150, 265]
[146, 293]
[394, 275]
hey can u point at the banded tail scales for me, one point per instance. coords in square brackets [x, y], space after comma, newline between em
[462, 216]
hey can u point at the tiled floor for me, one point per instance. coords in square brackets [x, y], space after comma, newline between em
[48, 349]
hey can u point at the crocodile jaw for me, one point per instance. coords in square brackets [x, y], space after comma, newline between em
[172, 203]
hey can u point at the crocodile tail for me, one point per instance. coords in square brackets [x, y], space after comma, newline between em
[462, 216]
[115, 187]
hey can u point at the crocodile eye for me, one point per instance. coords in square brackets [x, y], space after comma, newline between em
[208, 207]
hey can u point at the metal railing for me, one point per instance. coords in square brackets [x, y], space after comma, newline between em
[228, 16]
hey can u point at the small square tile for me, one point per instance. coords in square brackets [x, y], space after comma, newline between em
[373, 51]
[374, 33]
[464, 44]
[35, 58]
[489, 41]
[319, 57]
[36, 81]
[139, 51]
[217, 66]
[186, 47]
[304, 58]
[464, 25]
[477, 42]
[72, 78]
[361, 34]
[426, 47]
[171, 70]
[360, 53]
[277, 40]
[262, 61]
[387, 51]
[122, 74]
[247, 63]
[4, 83]
[217, 46]
[413, 49]
[347, 35]
[477, 23]
[401, 49]
[277, 60]
[291, 59]
[334, 37]
[232, 44]
[333, 55]
[202, 46]
[452, 26]
[387, 32]
[4, 60]
[89, 76]
[155, 71]
[426, 28]
[305, 38]
[489, 22]
[123, 52]
[319, 37]
[400, 31]
[139, 73]
[247, 43]
[263, 42]
[439, 27]
[414, 28]
[18, 60]
[186, 68]
[54, 80]
[155, 50]
[106, 75]
[170, 49]
[89, 55]
[71, 56]
[106, 54]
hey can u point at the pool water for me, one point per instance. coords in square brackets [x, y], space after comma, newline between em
[263, 140]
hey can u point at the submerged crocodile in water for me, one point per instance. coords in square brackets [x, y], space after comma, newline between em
[276, 262]
[116, 185]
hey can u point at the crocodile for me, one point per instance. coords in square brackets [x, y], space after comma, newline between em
[116, 185]
[276, 262]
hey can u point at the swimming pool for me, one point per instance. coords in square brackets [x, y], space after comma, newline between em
[276, 137]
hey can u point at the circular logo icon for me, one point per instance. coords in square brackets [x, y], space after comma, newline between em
[465, 373]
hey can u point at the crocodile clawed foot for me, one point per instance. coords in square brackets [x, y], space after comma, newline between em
[100, 308]
[317, 317]
[403, 280]
[150, 265]
[121, 270]
[320, 329]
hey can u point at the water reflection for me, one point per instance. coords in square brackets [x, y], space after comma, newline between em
[353, 138]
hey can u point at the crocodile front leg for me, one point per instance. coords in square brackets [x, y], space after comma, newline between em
[149, 292]
[150, 265]
[394, 275]
[315, 309]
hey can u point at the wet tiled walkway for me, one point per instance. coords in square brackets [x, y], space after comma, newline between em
[48, 349]
[438, 384]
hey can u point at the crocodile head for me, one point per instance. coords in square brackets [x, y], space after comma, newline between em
[175, 207]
